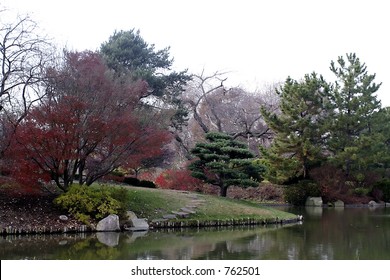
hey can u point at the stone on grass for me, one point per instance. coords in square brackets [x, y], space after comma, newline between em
[138, 225]
[109, 223]
[181, 214]
[169, 216]
[184, 209]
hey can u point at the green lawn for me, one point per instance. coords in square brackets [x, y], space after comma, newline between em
[154, 203]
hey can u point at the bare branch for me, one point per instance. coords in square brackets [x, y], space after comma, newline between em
[24, 56]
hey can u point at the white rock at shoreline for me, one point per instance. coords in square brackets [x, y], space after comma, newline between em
[110, 223]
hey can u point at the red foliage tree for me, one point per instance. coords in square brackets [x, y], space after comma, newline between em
[87, 125]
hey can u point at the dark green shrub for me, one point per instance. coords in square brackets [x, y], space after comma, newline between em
[298, 193]
[139, 183]
[360, 191]
[87, 203]
[382, 187]
[147, 184]
[131, 181]
[123, 197]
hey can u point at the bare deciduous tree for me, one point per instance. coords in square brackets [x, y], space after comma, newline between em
[234, 111]
[23, 58]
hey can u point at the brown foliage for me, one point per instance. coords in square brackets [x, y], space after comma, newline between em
[335, 185]
[265, 192]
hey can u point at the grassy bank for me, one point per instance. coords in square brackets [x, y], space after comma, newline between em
[154, 203]
[23, 214]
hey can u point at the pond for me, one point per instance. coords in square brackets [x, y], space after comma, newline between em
[326, 233]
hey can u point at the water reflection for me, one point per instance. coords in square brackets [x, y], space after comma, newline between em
[324, 234]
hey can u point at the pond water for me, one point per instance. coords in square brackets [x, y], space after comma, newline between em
[326, 233]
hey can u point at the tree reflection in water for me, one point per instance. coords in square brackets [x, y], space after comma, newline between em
[358, 233]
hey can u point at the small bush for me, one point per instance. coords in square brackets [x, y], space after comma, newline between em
[87, 203]
[298, 193]
[360, 191]
[266, 192]
[131, 181]
[139, 183]
[179, 180]
[147, 184]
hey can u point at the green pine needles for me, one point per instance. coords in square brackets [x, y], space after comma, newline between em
[224, 162]
[319, 123]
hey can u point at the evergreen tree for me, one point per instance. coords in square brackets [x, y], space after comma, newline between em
[224, 162]
[129, 55]
[375, 146]
[356, 104]
[127, 51]
[299, 128]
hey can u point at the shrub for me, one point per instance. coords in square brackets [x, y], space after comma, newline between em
[335, 184]
[265, 192]
[87, 203]
[270, 192]
[332, 182]
[139, 183]
[179, 180]
[131, 181]
[381, 190]
[298, 193]
[360, 191]
[147, 184]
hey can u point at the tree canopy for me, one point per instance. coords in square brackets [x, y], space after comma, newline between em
[225, 162]
[86, 125]
[128, 53]
[327, 123]
[355, 106]
[299, 128]
[130, 56]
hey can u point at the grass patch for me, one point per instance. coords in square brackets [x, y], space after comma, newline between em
[224, 209]
[154, 203]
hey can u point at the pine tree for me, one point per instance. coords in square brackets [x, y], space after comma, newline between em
[356, 103]
[299, 128]
[224, 162]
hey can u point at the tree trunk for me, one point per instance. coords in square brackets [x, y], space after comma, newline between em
[223, 192]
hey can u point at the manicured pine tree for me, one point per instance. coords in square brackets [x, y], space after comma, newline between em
[225, 162]
[299, 129]
[356, 104]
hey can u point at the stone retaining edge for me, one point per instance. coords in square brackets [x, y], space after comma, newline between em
[153, 225]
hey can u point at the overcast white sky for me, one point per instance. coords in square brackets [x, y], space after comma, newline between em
[256, 41]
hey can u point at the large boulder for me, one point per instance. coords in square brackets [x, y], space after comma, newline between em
[314, 201]
[130, 215]
[339, 203]
[109, 223]
[138, 225]
[372, 203]
[133, 223]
